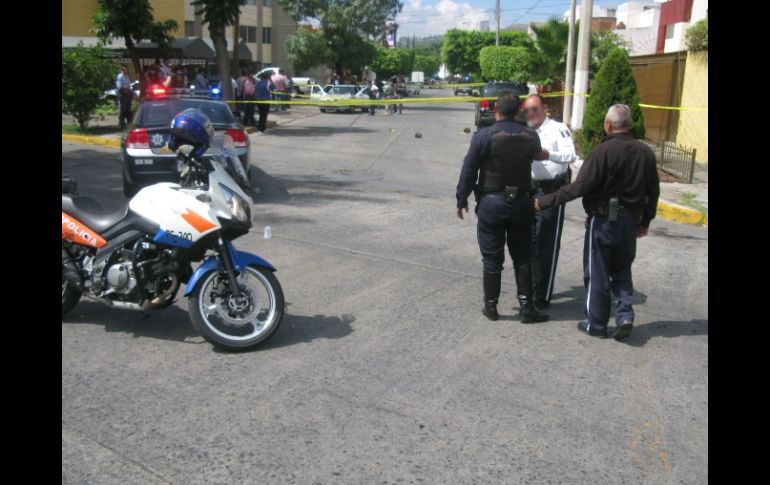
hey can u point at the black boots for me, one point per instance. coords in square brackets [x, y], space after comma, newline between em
[527, 309]
[491, 294]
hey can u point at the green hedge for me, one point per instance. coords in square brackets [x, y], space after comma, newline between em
[503, 63]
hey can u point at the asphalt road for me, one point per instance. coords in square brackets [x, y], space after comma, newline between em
[384, 369]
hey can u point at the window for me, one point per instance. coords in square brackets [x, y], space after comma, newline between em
[189, 29]
[266, 35]
[670, 31]
[267, 3]
[251, 2]
[248, 34]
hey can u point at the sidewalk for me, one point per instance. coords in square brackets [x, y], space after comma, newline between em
[686, 203]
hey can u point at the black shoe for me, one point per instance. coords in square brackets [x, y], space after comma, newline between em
[583, 326]
[530, 314]
[623, 330]
[542, 303]
[490, 311]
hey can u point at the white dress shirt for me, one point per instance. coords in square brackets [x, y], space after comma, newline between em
[557, 139]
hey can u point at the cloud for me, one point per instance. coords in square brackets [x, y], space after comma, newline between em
[423, 19]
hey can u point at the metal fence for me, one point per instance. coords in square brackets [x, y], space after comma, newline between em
[676, 160]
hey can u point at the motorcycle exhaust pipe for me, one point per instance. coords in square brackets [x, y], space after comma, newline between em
[165, 295]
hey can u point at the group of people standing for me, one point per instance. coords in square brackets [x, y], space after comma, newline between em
[521, 180]
[248, 91]
[394, 88]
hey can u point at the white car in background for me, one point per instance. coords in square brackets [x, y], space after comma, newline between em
[339, 92]
[301, 84]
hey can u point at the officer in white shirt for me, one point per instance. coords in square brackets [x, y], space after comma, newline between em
[547, 176]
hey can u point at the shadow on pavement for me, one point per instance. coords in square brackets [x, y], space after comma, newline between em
[436, 107]
[666, 329]
[298, 329]
[291, 131]
[172, 323]
[663, 232]
[310, 189]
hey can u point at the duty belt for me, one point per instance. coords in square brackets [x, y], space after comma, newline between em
[553, 183]
[602, 211]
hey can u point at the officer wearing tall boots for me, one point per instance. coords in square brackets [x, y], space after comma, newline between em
[497, 168]
[547, 176]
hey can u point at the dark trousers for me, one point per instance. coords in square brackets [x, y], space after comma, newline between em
[248, 113]
[124, 116]
[546, 242]
[609, 251]
[504, 222]
[263, 110]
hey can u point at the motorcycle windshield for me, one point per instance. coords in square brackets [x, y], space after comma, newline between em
[223, 152]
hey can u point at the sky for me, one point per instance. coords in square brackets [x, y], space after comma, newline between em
[432, 17]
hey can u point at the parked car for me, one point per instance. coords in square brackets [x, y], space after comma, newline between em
[112, 94]
[147, 158]
[341, 91]
[301, 84]
[485, 114]
[463, 89]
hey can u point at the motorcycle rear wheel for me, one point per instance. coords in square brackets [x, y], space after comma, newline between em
[69, 297]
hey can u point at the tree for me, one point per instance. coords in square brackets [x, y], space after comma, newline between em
[220, 14]
[85, 74]
[697, 36]
[550, 56]
[429, 64]
[505, 63]
[132, 21]
[462, 47]
[346, 26]
[307, 48]
[391, 62]
[614, 84]
[602, 44]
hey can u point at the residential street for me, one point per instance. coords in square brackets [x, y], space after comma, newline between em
[384, 369]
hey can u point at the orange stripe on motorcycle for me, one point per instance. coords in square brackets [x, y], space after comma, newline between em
[75, 231]
[200, 223]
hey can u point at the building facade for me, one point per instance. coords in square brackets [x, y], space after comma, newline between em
[264, 25]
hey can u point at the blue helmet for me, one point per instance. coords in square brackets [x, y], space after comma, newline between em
[191, 127]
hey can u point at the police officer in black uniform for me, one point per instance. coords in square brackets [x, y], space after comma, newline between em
[620, 188]
[500, 158]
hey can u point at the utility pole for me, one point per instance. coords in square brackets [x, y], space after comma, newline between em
[567, 114]
[583, 54]
[497, 18]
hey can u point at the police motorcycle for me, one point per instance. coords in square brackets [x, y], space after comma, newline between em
[138, 257]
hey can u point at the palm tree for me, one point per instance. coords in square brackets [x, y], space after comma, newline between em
[550, 59]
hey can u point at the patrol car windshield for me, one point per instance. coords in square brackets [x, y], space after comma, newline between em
[161, 112]
[497, 88]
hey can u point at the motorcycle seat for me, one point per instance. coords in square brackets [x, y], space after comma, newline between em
[89, 212]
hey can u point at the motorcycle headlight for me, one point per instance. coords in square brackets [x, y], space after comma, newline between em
[239, 207]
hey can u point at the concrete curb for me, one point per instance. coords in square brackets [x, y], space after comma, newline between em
[681, 214]
[92, 140]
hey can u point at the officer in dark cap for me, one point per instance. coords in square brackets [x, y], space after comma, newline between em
[620, 188]
[497, 168]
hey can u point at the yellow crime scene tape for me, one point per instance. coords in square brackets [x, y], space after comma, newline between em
[410, 100]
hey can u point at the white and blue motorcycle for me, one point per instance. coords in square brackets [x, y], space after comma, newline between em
[139, 256]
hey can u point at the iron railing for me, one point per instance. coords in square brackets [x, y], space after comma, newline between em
[676, 160]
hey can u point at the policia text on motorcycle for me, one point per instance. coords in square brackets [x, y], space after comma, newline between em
[497, 168]
[620, 188]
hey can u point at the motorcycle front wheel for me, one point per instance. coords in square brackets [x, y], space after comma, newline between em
[237, 323]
